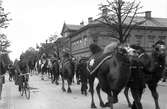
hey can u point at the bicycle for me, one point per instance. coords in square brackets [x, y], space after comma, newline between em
[25, 89]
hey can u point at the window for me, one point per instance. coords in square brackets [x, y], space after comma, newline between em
[77, 44]
[84, 41]
[151, 37]
[128, 39]
[151, 40]
[139, 39]
[74, 45]
[94, 39]
[138, 36]
[162, 37]
[66, 34]
[80, 43]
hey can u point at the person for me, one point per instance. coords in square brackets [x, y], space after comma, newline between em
[2, 78]
[11, 71]
[22, 68]
[65, 57]
[43, 64]
[4, 62]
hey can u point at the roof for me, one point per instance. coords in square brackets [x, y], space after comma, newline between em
[152, 23]
[71, 27]
[142, 21]
[74, 27]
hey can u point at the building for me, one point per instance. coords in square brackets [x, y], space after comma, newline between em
[145, 34]
[67, 30]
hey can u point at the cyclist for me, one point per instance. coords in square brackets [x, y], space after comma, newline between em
[22, 68]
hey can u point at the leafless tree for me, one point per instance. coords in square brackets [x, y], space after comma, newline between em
[120, 16]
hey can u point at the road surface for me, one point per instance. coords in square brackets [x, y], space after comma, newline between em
[45, 95]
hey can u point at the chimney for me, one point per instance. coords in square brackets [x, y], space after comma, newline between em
[148, 14]
[82, 23]
[90, 20]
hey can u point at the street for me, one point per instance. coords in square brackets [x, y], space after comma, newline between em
[45, 95]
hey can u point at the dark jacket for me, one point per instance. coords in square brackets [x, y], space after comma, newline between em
[22, 67]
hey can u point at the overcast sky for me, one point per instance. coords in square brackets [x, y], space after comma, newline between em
[35, 20]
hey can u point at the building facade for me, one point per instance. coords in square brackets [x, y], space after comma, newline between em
[67, 30]
[146, 34]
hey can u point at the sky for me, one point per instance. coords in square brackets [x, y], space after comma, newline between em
[34, 21]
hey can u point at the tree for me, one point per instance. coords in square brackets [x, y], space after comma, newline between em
[4, 43]
[46, 48]
[30, 55]
[50, 47]
[60, 42]
[4, 21]
[53, 38]
[120, 16]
